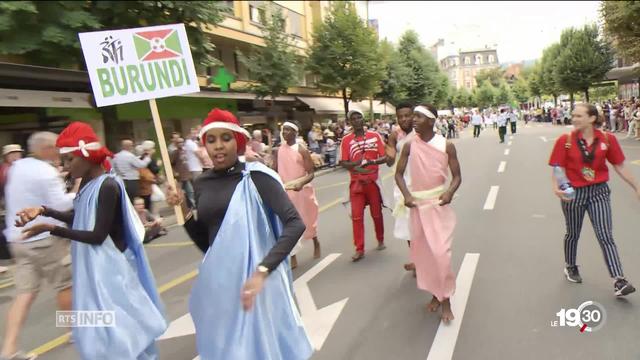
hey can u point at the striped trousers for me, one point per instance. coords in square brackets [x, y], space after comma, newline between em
[595, 200]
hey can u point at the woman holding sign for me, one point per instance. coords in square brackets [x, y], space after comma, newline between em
[110, 269]
[242, 302]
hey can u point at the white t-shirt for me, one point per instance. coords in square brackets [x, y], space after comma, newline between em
[476, 120]
[31, 183]
[190, 149]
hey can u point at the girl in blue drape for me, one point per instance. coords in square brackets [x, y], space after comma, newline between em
[110, 268]
[242, 301]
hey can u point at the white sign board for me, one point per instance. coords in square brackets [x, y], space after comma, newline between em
[139, 64]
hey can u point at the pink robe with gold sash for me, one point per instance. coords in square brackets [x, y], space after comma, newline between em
[290, 168]
[431, 225]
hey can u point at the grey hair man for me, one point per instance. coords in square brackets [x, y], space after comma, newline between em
[33, 182]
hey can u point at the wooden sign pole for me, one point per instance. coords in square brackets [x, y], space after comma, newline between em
[164, 152]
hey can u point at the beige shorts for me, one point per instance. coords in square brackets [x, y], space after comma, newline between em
[48, 258]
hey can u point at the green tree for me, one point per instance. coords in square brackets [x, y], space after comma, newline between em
[344, 55]
[423, 81]
[520, 90]
[494, 75]
[548, 81]
[46, 32]
[484, 95]
[275, 66]
[584, 59]
[503, 94]
[461, 98]
[622, 25]
[390, 86]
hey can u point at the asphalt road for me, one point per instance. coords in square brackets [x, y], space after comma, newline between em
[505, 303]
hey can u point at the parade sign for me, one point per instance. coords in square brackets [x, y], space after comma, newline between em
[139, 64]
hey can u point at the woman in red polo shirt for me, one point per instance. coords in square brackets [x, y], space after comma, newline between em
[583, 155]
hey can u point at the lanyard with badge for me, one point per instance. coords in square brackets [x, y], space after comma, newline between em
[587, 158]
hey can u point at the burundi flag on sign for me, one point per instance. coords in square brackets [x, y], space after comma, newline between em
[157, 44]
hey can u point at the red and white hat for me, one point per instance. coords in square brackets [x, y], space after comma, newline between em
[222, 119]
[79, 139]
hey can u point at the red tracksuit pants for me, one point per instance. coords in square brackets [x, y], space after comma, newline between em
[361, 194]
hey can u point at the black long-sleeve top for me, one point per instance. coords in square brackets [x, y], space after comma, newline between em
[109, 219]
[213, 192]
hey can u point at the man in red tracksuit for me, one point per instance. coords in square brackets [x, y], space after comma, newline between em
[362, 151]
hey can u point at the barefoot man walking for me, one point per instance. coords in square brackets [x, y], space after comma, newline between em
[431, 219]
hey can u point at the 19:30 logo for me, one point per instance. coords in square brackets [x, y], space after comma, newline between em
[590, 316]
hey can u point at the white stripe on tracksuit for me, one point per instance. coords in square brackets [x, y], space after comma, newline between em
[596, 201]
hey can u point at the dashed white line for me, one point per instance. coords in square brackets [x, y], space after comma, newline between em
[503, 165]
[491, 198]
[507, 151]
[543, 138]
[510, 143]
[446, 337]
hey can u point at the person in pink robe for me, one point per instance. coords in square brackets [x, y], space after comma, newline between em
[431, 219]
[294, 165]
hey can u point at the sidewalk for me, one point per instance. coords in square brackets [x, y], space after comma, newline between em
[166, 211]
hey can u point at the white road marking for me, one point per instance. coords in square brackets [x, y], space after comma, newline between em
[510, 143]
[503, 165]
[507, 151]
[445, 340]
[511, 137]
[538, 216]
[181, 326]
[543, 138]
[491, 198]
[317, 322]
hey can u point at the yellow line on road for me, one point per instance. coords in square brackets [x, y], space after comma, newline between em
[331, 204]
[332, 185]
[63, 339]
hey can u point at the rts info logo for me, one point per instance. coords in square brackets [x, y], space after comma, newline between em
[590, 316]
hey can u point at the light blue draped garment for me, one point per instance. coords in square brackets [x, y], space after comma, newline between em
[106, 279]
[272, 330]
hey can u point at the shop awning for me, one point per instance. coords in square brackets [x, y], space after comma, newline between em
[625, 73]
[332, 105]
[44, 99]
[233, 95]
[324, 105]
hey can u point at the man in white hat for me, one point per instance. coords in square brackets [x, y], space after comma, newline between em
[10, 153]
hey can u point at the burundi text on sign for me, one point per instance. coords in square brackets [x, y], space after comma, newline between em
[139, 64]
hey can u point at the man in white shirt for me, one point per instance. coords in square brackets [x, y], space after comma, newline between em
[513, 119]
[502, 124]
[127, 166]
[34, 182]
[194, 163]
[476, 121]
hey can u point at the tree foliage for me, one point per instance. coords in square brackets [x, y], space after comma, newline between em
[484, 95]
[422, 79]
[46, 32]
[520, 90]
[494, 75]
[622, 25]
[584, 59]
[345, 55]
[548, 82]
[391, 90]
[503, 94]
[274, 67]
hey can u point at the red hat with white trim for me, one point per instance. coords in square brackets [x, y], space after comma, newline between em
[223, 119]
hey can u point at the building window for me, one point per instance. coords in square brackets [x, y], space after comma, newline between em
[467, 60]
[468, 84]
[228, 7]
[492, 59]
[467, 73]
[256, 12]
[478, 59]
[296, 23]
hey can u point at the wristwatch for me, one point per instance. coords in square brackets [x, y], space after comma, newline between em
[263, 269]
